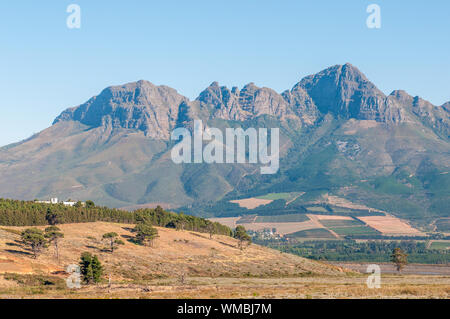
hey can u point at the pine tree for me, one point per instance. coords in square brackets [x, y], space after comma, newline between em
[145, 234]
[399, 258]
[34, 238]
[53, 217]
[241, 235]
[54, 234]
[91, 269]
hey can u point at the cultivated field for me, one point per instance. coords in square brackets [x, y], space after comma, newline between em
[389, 225]
[251, 203]
[331, 217]
[290, 218]
[288, 197]
[317, 209]
[227, 221]
[313, 233]
[299, 225]
[284, 224]
[344, 203]
[303, 225]
[353, 230]
[440, 245]
[254, 202]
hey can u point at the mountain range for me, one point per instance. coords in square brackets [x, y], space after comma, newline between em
[339, 135]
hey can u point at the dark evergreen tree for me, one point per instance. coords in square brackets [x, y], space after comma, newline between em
[53, 217]
[34, 238]
[241, 235]
[91, 269]
[113, 241]
[145, 234]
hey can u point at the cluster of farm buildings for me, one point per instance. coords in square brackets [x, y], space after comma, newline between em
[54, 201]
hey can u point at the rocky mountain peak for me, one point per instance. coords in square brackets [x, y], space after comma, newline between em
[341, 90]
[344, 91]
[446, 106]
[138, 105]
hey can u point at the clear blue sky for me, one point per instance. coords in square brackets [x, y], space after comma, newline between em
[46, 67]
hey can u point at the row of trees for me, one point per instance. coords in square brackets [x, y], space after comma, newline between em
[145, 234]
[38, 240]
[23, 213]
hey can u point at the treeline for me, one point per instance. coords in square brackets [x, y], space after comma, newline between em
[370, 251]
[26, 213]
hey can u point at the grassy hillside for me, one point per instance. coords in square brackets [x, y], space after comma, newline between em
[213, 268]
[173, 253]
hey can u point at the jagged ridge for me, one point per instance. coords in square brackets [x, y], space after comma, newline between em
[341, 90]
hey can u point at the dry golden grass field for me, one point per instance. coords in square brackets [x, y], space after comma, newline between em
[184, 264]
[173, 252]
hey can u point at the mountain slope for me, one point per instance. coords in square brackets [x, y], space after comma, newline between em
[339, 134]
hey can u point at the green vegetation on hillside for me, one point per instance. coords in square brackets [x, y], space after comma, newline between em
[275, 196]
[317, 209]
[340, 223]
[443, 225]
[390, 185]
[355, 231]
[311, 233]
[440, 245]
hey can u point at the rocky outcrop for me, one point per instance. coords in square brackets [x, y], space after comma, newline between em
[140, 105]
[435, 117]
[245, 104]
